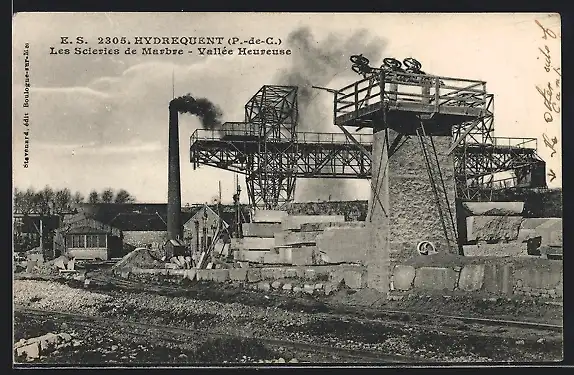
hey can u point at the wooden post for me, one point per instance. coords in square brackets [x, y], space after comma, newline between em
[41, 235]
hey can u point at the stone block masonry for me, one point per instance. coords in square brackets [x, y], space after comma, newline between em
[436, 278]
[493, 228]
[285, 238]
[252, 243]
[413, 212]
[494, 208]
[263, 230]
[238, 274]
[378, 249]
[344, 245]
[294, 222]
[403, 277]
[548, 229]
[316, 227]
[514, 249]
[471, 277]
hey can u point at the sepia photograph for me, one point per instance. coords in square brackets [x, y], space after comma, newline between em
[286, 189]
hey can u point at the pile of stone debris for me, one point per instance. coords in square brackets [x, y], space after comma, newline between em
[33, 348]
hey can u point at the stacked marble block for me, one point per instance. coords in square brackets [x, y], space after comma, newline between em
[300, 240]
[499, 229]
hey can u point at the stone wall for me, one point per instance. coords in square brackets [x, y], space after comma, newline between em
[413, 215]
[143, 238]
[536, 278]
[318, 280]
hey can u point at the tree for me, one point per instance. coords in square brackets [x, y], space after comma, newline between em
[77, 198]
[44, 200]
[94, 197]
[62, 201]
[107, 196]
[123, 196]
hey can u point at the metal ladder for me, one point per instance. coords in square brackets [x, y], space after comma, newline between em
[439, 189]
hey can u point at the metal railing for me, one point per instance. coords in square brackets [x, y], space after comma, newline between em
[510, 142]
[301, 137]
[410, 87]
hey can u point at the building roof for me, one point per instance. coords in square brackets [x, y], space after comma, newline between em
[133, 216]
[31, 224]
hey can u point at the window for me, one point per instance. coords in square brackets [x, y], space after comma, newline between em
[86, 241]
[77, 240]
[91, 241]
[96, 240]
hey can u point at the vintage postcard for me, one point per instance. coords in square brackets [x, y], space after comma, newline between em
[286, 189]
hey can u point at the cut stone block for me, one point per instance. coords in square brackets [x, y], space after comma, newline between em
[293, 273]
[302, 256]
[317, 227]
[267, 273]
[254, 256]
[344, 245]
[263, 230]
[493, 228]
[272, 258]
[190, 274]
[494, 208]
[203, 275]
[511, 249]
[546, 228]
[471, 277]
[31, 351]
[287, 238]
[253, 275]
[538, 278]
[252, 243]
[277, 272]
[220, 275]
[309, 288]
[269, 216]
[238, 274]
[294, 222]
[498, 278]
[263, 285]
[48, 341]
[403, 277]
[285, 254]
[355, 278]
[435, 278]
[177, 273]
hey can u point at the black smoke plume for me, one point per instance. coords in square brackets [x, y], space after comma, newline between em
[208, 113]
[317, 63]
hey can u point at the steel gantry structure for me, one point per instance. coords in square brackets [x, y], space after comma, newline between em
[267, 148]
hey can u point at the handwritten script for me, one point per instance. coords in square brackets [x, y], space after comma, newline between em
[550, 91]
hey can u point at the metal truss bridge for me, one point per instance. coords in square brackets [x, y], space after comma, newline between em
[267, 148]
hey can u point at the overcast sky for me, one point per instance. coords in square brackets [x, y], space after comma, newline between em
[101, 121]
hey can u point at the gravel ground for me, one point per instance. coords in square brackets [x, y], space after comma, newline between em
[433, 344]
[112, 346]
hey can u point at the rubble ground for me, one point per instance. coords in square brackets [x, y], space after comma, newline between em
[454, 342]
[113, 345]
